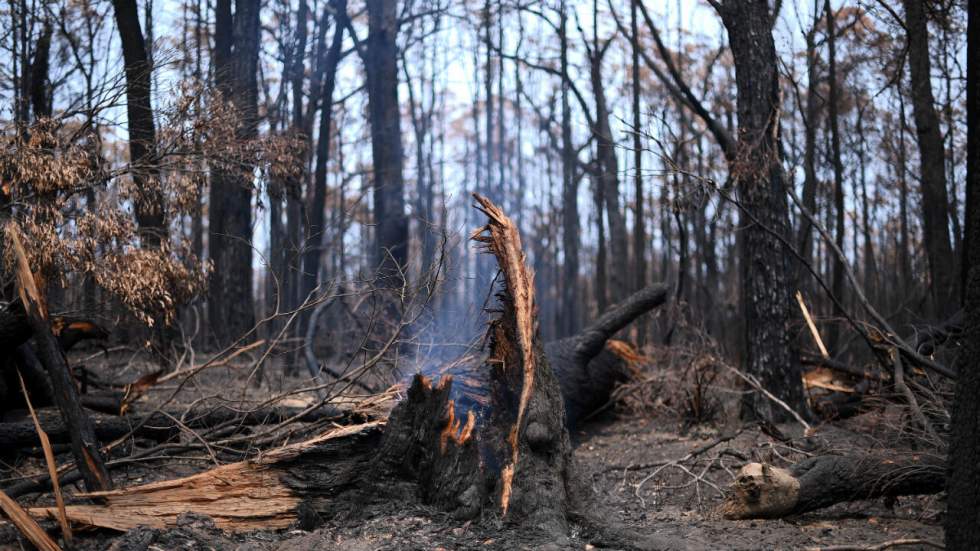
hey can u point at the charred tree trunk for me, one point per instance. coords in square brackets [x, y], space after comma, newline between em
[381, 66]
[608, 169]
[962, 528]
[569, 320]
[932, 156]
[639, 220]
[313, 251]
[142, 129]
[805, 239]
[833, 105]
[41, 94]
[236, 55]
[766, 279]
[601, 275]
[84, 444]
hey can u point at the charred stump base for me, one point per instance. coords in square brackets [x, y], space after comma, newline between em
[425, 442]
[515, 458]
[764, 491]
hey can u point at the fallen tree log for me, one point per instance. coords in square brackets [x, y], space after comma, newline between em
[15, 333]
[267, 493]
[588, 365]
[764, 491]
[25, 361]
[511, 458]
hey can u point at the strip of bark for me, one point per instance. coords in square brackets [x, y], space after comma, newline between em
[27, 525]
[51, 464]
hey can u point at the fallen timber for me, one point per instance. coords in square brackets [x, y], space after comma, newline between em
[764, 491]
[514, 461]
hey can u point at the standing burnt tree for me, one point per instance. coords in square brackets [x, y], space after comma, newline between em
[236, 55]
[381, 66]
[963, 517]
[935, 201]
[757, 171]
[139, 111]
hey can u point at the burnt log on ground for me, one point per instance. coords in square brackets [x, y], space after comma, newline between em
[512, 462]
[24, 361]
[764, 491]
[15, 329]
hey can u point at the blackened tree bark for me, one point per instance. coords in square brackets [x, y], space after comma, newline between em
[608, 168]
[569, 317]
[758, 174]
[963, 514]
[833, 105]
[236, 55]
[313, 252]
[639, 223]
[904, 256]
[870, 265]
[142, 130]
[381, 67]
[935, 201]
[973, 140]
[294, 183]
[40, 92]
[601, 285]
[805, 239]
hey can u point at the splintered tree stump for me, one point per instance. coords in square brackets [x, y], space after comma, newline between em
[764, 491]
[495, 444]
[525, 433]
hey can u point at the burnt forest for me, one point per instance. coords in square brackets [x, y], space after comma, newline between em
[489, 275]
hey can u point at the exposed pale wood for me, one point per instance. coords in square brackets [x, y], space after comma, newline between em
[52, 466]
[27, 525]
[764, 491]
[504, 241]
[811, 325]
